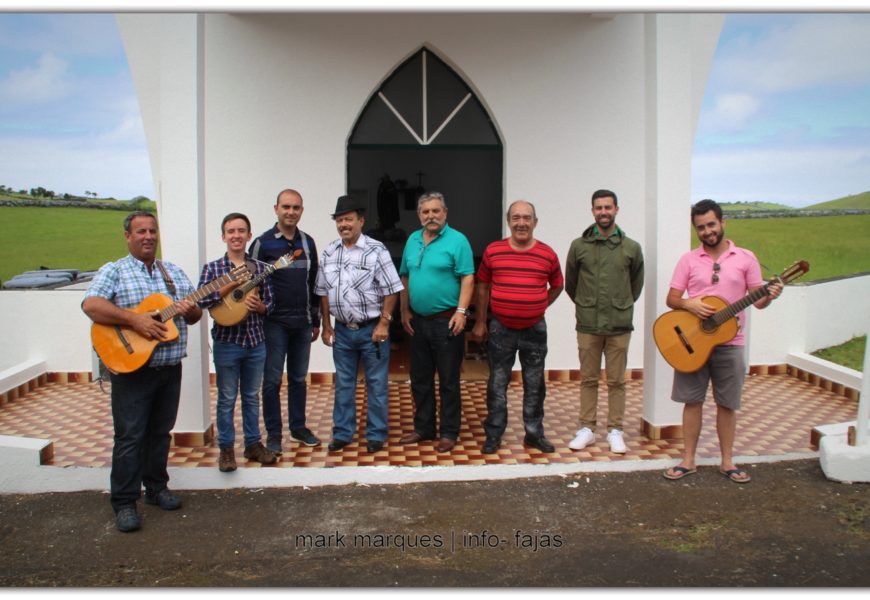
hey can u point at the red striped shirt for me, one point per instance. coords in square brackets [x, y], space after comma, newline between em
[519, 281]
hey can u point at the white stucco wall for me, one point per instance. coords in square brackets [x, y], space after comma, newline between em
[48, 325]
[282, 93]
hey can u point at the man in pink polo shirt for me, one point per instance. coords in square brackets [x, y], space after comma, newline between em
[716, 268]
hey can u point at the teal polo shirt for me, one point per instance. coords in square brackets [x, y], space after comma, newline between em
[434, 271]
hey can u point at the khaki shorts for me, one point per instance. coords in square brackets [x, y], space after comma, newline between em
[725, 367]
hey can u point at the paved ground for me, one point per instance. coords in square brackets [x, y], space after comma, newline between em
[789, 527]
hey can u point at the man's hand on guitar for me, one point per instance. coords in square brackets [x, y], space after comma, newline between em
[254, 304]
[146, 325]
[188, 310]
[698, 307]
[774, 290]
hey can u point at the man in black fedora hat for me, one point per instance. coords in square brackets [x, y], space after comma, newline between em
[358, 285]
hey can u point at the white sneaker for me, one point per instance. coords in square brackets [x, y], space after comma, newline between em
[585, 436]
[617, 445]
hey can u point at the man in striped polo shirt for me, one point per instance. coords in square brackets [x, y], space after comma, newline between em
[518, 278]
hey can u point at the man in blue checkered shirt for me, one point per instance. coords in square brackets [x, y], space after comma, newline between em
[239, 350]
[358, 285]
[144, 402]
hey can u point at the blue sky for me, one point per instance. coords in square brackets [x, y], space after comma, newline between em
[786, 116]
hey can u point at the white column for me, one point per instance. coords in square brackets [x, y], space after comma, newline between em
[675, 58]
[169, 68]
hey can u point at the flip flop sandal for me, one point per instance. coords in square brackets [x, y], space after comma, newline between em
[733, 475]
[678, 473]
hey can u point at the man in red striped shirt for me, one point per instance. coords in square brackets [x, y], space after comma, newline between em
[518, 278]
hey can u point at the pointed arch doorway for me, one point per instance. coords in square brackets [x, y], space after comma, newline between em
[424, 129]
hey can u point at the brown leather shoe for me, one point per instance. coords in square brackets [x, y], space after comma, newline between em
[257, 452]
[227, 460]
[446, 444]
[412, 438]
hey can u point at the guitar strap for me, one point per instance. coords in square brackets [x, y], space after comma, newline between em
[170, 285]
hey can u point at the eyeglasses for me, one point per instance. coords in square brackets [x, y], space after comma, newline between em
[716, 268]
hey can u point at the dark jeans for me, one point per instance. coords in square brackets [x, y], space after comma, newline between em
[294, 346]
[504, 343]
[433, 347]
[144, 407]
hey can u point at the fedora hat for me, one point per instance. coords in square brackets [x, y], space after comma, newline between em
[346, 204]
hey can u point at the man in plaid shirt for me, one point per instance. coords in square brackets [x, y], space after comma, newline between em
[239, 350]
[358, 285]
[144, 402]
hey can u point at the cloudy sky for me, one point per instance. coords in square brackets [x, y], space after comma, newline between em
[786, 116]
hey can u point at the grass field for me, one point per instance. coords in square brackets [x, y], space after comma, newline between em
[850, 354]
[60, 238]
[833, 246]
[85, 239]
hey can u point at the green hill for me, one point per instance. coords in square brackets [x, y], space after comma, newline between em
[735, 206]
[856, 201]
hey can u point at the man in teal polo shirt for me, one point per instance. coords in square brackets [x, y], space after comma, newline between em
[437, 270]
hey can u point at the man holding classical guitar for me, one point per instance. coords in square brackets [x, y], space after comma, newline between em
[239, 349]
[716, 268]
[145, 399]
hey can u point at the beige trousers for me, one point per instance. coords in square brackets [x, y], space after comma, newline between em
[615, 351]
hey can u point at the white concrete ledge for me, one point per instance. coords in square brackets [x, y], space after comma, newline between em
[824, 368]
[21, 373]
[842, 462]
[33, 479]
[21, 451]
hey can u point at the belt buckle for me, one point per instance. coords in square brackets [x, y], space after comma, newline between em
[352, 326]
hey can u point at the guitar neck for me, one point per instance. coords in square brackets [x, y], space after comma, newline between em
[255, 281]
[732, 310]
[170, 312]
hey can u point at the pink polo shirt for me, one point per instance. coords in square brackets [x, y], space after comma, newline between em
[739, 271]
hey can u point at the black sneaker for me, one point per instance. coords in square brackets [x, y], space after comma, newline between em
[304, 436]
[491, 445]
[541, 443]
[273, 444]
[164, 499]
[127, 520]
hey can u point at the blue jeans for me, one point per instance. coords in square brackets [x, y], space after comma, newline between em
[350, 346]
[238, 370]
[504, 343]
[294, 346]
[433, 347]
[144, 407]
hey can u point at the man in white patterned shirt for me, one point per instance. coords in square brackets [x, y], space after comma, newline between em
[358, 285]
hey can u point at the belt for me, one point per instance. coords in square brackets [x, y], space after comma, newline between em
[355, 326]
[444, 314]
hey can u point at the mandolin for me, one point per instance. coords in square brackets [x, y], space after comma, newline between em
[231, 310]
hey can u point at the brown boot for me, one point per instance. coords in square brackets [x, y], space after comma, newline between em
[258, 452]
[227, 460]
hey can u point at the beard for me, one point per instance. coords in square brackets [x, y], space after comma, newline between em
[714, 240]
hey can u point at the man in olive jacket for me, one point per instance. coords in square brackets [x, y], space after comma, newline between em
[604, 278]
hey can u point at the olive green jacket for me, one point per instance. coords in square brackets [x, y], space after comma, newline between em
[604, 278]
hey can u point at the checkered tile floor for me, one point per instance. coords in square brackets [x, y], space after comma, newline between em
[778, 414]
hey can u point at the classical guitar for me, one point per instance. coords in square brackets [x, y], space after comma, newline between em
[123, 350]
[686, 341]
[231, 310]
